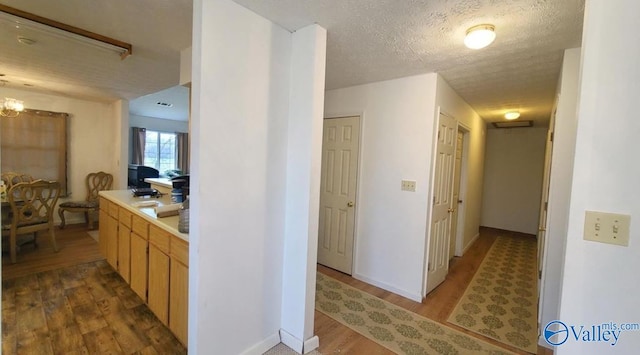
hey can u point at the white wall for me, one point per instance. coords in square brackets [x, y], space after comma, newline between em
[242, 75]
[399, 119]
[599, 281]
[560, 186]
[514, 164]
[93, 129]
[452, 104]
[397, 134]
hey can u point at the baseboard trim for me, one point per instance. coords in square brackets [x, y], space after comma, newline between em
[473, 240]
[291, 341]
[543, 343]
[311, 344]
[262, 347]
[412, 296]
[298, 345]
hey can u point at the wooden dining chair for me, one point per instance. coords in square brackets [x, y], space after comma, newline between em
[12, 178]
[32, 205]
[95, 182]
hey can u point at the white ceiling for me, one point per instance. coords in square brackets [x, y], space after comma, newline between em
[368, 41]
[176, 96]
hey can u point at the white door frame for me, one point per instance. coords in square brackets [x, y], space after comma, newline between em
[358, 172]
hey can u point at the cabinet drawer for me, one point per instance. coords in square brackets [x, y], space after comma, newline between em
[104, 204]
[124, 216]
[113, 209]
[140, 227]
[180, 250]
[160, 238]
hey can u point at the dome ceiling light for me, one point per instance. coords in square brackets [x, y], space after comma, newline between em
[512, 115]
[480, 36]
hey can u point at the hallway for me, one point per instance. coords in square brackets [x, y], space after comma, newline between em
[334, 337]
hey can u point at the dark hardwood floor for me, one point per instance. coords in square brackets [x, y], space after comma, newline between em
[73, 302]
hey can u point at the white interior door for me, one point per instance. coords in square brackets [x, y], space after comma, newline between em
[544, 200]
[340, 145]
[455, 201]
[438, 263]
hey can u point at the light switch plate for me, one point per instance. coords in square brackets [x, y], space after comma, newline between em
[408, 185]
[608, 228]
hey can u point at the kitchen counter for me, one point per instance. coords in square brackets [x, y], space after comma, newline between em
[126, 199]
[163, 185]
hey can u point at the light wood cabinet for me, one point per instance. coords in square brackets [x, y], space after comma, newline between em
[124, 244]
[159, 268]
[179, 291]
[179, 296]
[124, 252]
[112, 241]
[139, 256]
[104, 220]
[152, 258]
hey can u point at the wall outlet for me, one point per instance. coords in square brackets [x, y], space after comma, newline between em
[408, 185]
[608, 228]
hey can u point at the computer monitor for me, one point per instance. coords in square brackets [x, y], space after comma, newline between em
[137, 174]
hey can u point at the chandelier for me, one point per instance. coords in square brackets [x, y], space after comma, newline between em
[11, 107]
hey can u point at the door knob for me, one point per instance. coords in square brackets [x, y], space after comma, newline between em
[451, 210]
[350, 204]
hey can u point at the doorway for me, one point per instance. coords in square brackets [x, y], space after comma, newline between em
[338, 185]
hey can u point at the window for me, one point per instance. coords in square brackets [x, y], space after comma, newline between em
[35, 143]
[160, 150]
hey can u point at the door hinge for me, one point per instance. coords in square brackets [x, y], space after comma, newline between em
[551, 137]
[546, 205]
[539, 274]
[429, 266]
[434, 200]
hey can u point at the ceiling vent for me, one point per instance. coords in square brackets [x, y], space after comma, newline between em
[513, 124]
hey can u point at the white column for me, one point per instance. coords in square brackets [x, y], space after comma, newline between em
[304, 153]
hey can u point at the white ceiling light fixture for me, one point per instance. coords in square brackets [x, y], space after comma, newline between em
[21, 18]
[480, 36]
[512, 115]
[11, 107]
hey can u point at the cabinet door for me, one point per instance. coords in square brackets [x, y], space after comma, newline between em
[124, 251]
[179, 296]
[159, 283]
[139, 261]
[112, 242]
[104, 231]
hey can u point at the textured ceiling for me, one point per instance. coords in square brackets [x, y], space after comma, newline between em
[383, 39]
[368, 41]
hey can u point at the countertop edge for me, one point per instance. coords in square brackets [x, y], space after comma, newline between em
[116, 196]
